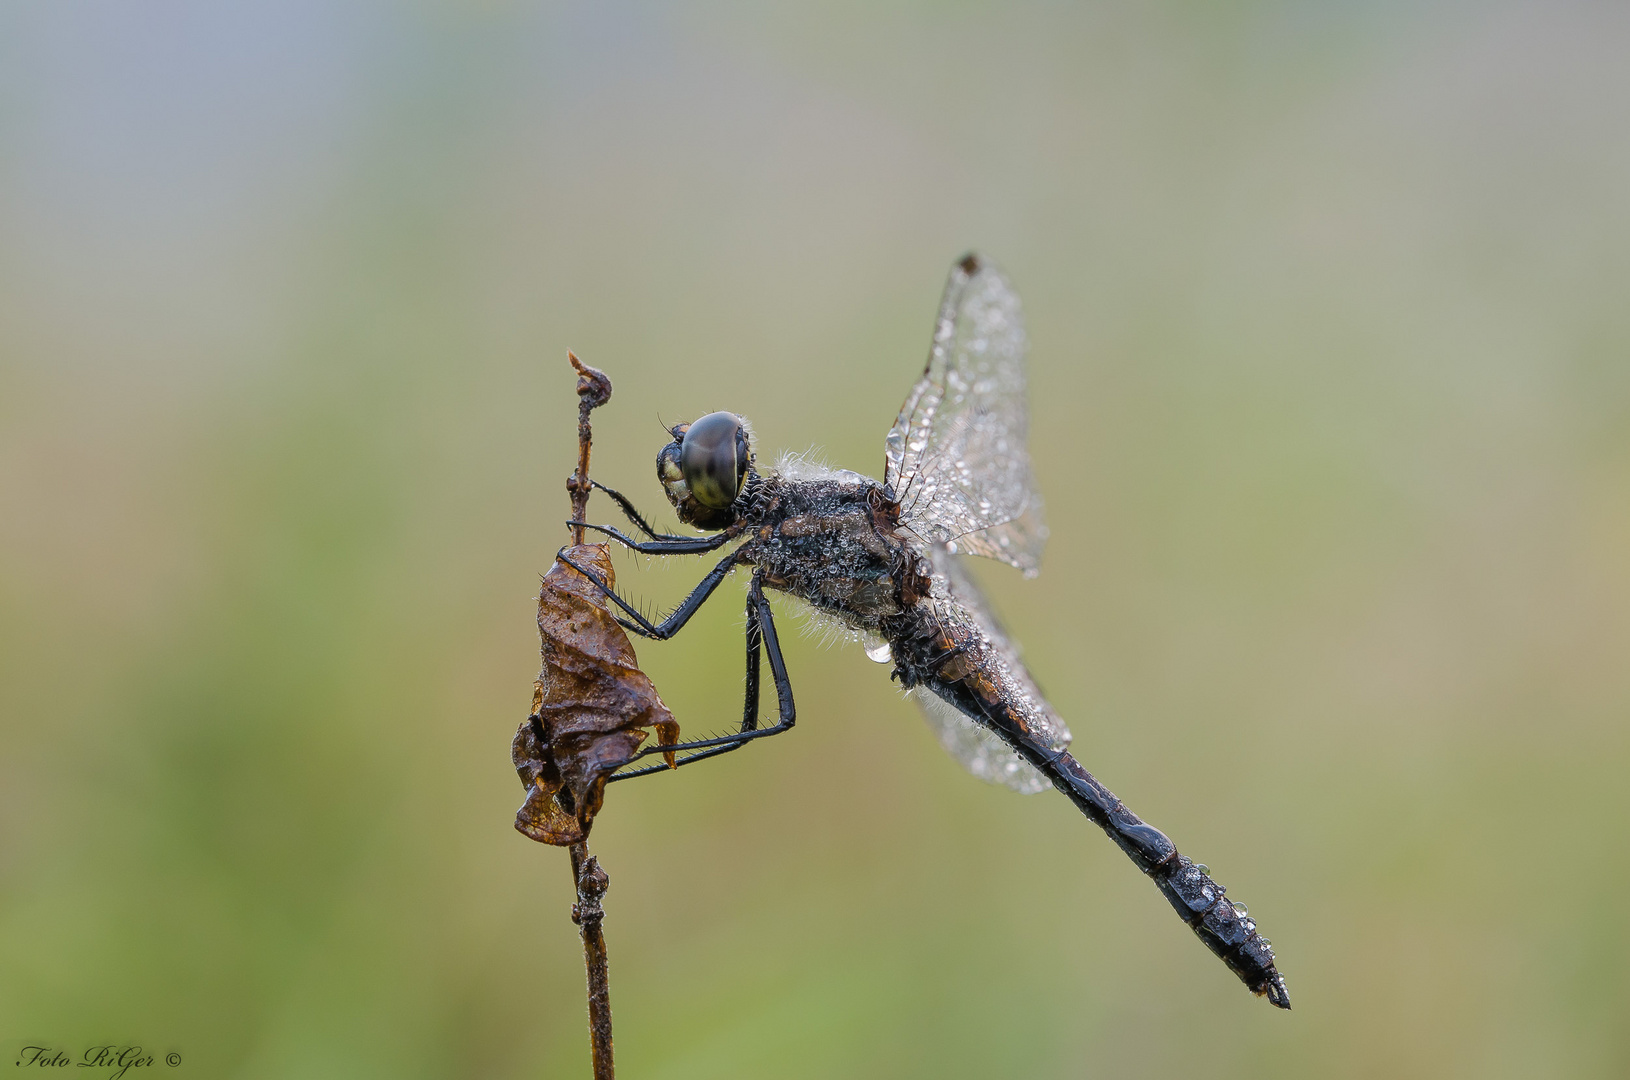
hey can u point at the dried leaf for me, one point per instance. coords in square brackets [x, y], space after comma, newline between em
[589, 708]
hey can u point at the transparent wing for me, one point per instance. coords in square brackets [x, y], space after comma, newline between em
[962, 611]
[956, 458]
[979, 749]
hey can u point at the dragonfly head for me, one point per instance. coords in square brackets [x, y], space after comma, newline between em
[704, 468]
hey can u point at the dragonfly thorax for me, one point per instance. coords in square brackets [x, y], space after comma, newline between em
[832, 542]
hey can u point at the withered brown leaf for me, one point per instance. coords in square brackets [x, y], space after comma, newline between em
[590, 704]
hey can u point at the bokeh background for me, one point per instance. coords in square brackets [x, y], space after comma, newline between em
[1331, 384]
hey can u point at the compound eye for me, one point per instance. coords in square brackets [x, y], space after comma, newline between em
[671, 475]
[713, 459]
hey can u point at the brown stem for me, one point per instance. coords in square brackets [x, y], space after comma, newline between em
[587, 913]
[593, 391]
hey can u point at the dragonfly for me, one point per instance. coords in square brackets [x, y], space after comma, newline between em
[883, 561]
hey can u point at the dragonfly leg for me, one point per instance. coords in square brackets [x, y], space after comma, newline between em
[670, 626]
[635, 516]
[682, 545]
[760, 631]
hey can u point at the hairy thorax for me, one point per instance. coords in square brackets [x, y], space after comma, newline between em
[831, 541]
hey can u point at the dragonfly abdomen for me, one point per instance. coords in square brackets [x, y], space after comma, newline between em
[1199, 901]
[968, 677]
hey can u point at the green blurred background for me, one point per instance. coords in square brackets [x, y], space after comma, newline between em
[1331, 383]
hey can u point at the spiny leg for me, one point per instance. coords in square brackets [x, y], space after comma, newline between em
[760, 628]
[683, 545]
[749, 721]
[635, 516]
[670, 626]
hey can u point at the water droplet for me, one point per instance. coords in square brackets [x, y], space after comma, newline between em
[1239, 908]
[1202, 867]
[879, 653]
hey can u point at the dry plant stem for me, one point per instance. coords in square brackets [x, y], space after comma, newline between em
[588, 915]
[593, 390]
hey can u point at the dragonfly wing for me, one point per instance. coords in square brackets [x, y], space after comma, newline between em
[961, 609]
[957, 458]
[978, 748]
